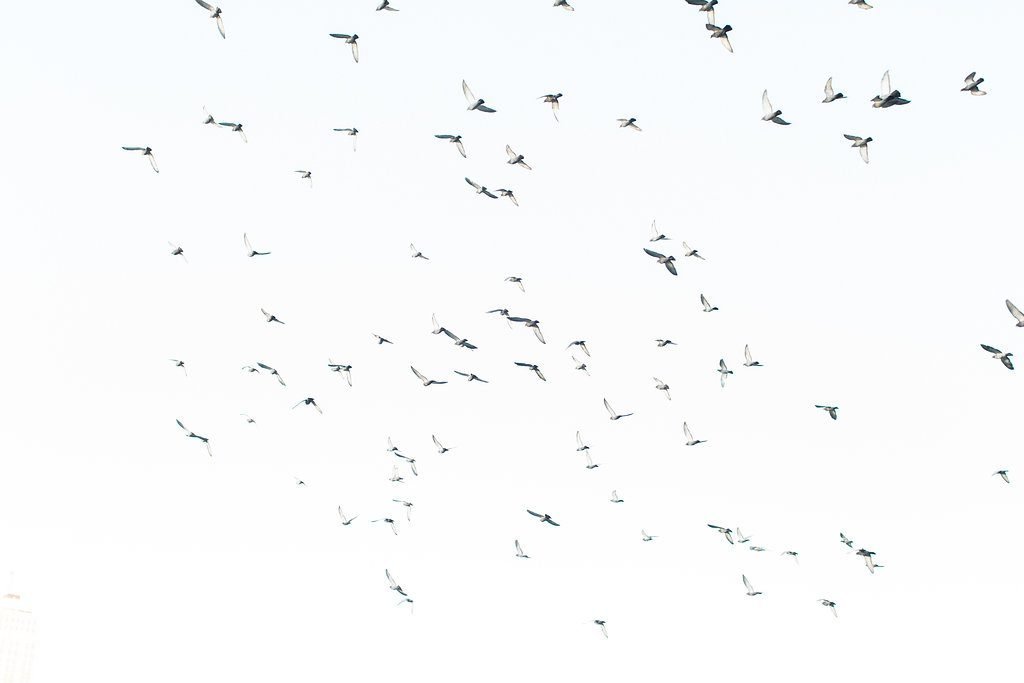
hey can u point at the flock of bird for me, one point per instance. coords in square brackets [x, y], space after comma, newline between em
[885, 99]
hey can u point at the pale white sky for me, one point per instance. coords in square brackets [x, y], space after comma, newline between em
[869, 287]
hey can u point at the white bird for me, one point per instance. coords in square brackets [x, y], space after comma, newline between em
[590, 462]
[614, 415]
[474, 102]
[690, 252]
[750, 362]
[345, 521]
[830, 94]
[721, 33]
[480, 189]
[395, 586]
[215, 14]
[971, 84]
[235, 127]
[707, 6]
[771, 113]
[533, 324]
[249, 251]
[455, 140]
[351, 132]
[582, 344]
[727, 533]
[615, 497]
[146, 152]
[860, 143]
[723, 370]
[646, 536]
[690, 441]
[390, 522]
[553, 101]
[656, 235]
[209, 120]
[441, 450]
[543, 517]
[350, 40]
[381, 340]
[416, 253]
[271, 318]
[519, 551]
[661, 386]
[740, 538]
[505, 192]
[750, 589]
[599, 622]
[176, 250]
[564, 4]
[629, 123]
[1015, 312]
[192, 435]
[844, 540]
[408, 508]
[708, 308]
[471, 377]
[831, 605]
[869, 559]
[395, 476]
[833, 411]
[580, 365]
[1003, 357]
[1005, 474]
[580, 446]
[248, 420]
[422, 378]
[516, 159]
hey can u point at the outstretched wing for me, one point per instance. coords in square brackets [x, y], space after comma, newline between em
[1014, 311]
[766, 105]
[470, 97]
[829, 92]
[418, 374]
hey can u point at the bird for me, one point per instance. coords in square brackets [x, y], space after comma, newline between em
[395, 586]
[533, 324]
[519, 551]
[271, 318]
[299, 482]
[249, 251]
[887, 97]
[455, 140]
[441, 450]
[590, 462]
[750, 362]
[615, 497]
[553, 101]
[644, 536]
[830, 94]
[308, 401]
[721, 33]
[770, 113]
[611, 412]
[416, 253]
[391, 446]
[792, 553]
[861, 4]
[599, 622]
[833, 411]
[273, 372]
[750, 589]
[517, 281]
[306, 175]
[352, 132]
[422, 378]
[146, 152]
[179, 364]
[996, 353]
[209, 120]
[345, 521]
[582, 344]
[516, 159]
[831, 605]
[757, 548]
[535, 368]
[1005, 474]
[580, 446]
[869, 559]
[740, 538]
[691, 252]
[971, 84]
[408, 508]
[475, 102]
[544, 517]
[690, 441]
[382, 340]
[661, 386]
[727, 533]
[459, 341]
[859, 143]
[707, 6]
[350, 40]
[708, 308]
[248, 420]
[192, 435]
[662, 343]
[564, 4]
[629, 123]
[215, 14]
[580, 365]
[395, 478]
[235, 127]
[480, 189]
[844, 540]
[667, 261]
[1015, 312]
[390, 522]
[505, 192]
[470, 377]
[723, 370]
[656, 235]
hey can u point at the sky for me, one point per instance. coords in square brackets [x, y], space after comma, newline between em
[869, 287]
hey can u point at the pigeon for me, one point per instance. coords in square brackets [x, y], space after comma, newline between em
[516, 280]
[535, 368]
[273, 372]
[192, 435]
[690, 441]
[516, 159]
[869, 559]
[859, 143]
[504, 192]
[996, 353]
[215, 14]
[691, 252]
[721, 33]
[395, 476]
[474, 101]
[661, 386]
[662, 343]
[614, 415]
[386, 5]
[350, 40]
[971, 84]
[345, 521]
[480, 189]
[705, 6]
[408, 508]
[470, 377]
[553, 101]
[740, 538]
[861, 4]
[299, 482]
[830, 94]
[519, 551]
[770, 113]
[615, 497]
[209, 120]
[390, 522]
[750, 589]
[1005, 474]
[580, 446]
[459, 341]
[352, 132]
[441, 450]
[422, 378]
[235, 127]
[306, 175]
[644, 536]
[792, 553]
[831, 605]
[179, 364]
[535, 324]
[544, 517]
[750, 362]
[708, 308]
[757, 548]
[656, 236]
[416, 253]
[394, 584]
[723, 371]
[249, 251]
[629, 123]
[1015, 312]
[146, 152]
[725, 532]
[456, 140]
[382, 340]
[271, 318]
[833, 411]
[248, 420]
[590, 462]
[844, 540]
[599, 622]
[667, 261]
[580, 365]
[582, 346]
[309, 401]
[887, 97]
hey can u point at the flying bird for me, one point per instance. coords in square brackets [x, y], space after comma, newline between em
[408, 508]
[644, 536]
[516, 159]
[662, 343]
[667, 261]
[860, 143]
[176, 250]
[249, 251]
[869, 559]
[661, 386]
[351, 132]
[771, 113]
[1005, 474]
[146, 152]
[615, 497]
[629, 123]
[887, 97]
[215, 14]
[480, 189]
[179, 364]
[750, 362]
[271, 318]
[708, 308]
[721, 33]
[1016, 313]
[474, 102]
[599, 622]
[309, 401]
[553, 101]
[656, 235]
[590, 461]
[580, 365]
[382, 340]
[306, 175]
[740, 538]
[470, 377]
[441, 450]
[971, 84]
[416, 253]
[505, 192]
[235, 127]
[831, 605]
[844, 540]
[517, 281]
[707, 6]
[455, 140]
[209, 120]
[861, 4]
[350, 40]
[727, 533]
[723, 371]
[273, 372]
[390, 522]
[833, 411]
[345, 521]
[830, 94]
[691, 252]
[519, 551]
[535, 368]
[422, 378]
[580, 446]
[395, 586]
[533, 324]
[544, 517]
[690, 441]
[611, 411]
[386, 5]
[192, 435]
[750, 589]
[996, 353]
[248, 420]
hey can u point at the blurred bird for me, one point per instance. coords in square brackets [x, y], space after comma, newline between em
[192, 435]
[249, 251]
[690, 441]
[480, 189]
[553, 101]
[544, 517]
[831, 605]
[708, 308]
[345, 521]
[516, 159]
[1005, 474]
[517, 281]
[661, 386]
[349, 40]
[629, 123]
[599, 622]
[416, 253]
[235, 127]
[470, 377]
[750, 362]
[770, 113]
[971, 84]
[271, 318]
[860, 143]
[273, 372]
[215, 14]
[723, 370]
[830, 94]
[535, 368]
[179, 364]
[386, 5]
[475, 102]
[504, 192]
[1003, 357]
[750, 589]
[614, 415]
[146, 152]
[667, 261]
[533, 324]
[721, 33]
[455, 140]
[581, 344]
[644, 536]
[351, 132]
[615, 497]
[309, 401]
[727, 533]
[662, 343]
[1016, 313]
[382, 340]
[519, 551]
[887, 97]
[833, 411]
[656, 235]
[306, 175]
[422, 378]
[441, 450]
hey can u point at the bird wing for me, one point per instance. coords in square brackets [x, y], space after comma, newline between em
[183, 426]
[579, 439]
[608, 407]
[436, 442]
[852, 138]
[475, 186]
[535, 514]
[750, 589]
[519, 548]
[540, 335]
[152, 162]
[205, 5]
[864, 153]
[829, 92]
[671, 267]
[766, 104]
[418, 374]
[746, 353]
[511, 155]
[704, 301]
[340, 35]
[970, 78]
[470, 97]
[1014, 311]
[721, 364]
[686, 431]
[886, 85]
[653, 254]
[990, 349]
[725, 41]
[355, 51]
[462, 150]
